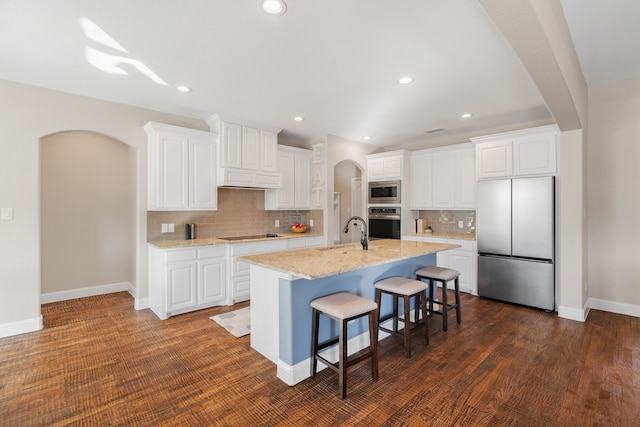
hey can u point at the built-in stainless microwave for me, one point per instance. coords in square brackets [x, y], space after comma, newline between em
[384, 192]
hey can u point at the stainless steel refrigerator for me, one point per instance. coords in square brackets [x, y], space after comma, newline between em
[516, 241]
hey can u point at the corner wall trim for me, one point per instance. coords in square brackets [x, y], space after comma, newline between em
[21, 327]
[574, 313]
[86, 292]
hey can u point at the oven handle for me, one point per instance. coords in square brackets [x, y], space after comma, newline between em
[384, 216]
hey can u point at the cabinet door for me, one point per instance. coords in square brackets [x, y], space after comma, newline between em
[286, 194]
[268, 151]
[181, 286]
[392, 167]
[231, 147]
[494, 159]
[443, 180]
[302, 182]
[202, 183]
[212, 277]
[535, 155]
[421, 182]
[172, 171]
[465, 197]
[250, 148]
[375, 170]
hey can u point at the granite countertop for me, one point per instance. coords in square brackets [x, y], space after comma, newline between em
[314, 263]
[170, 244]
[442, 235]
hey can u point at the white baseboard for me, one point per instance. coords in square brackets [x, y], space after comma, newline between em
[86, 292]
[614, 307]
[21, 327]
[141, 303]
[571, 313]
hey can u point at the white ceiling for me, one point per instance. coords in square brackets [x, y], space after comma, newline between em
[334, 62]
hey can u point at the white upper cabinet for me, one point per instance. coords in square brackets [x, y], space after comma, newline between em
[181, 168]
[295, 166]
[494, 159]
[443, 178]
[520, 153]
[421, 181]
[248, 155]
[385, 166]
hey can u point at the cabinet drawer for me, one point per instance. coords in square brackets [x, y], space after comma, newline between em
[180, 255]
[212, 251]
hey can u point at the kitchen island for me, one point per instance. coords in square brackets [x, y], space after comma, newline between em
[284, 283]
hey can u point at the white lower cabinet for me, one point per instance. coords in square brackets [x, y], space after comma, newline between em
[186, 279]
[463, 259]
[239, 270]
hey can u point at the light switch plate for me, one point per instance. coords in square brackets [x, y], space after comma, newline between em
[6, 214]
[165, 228]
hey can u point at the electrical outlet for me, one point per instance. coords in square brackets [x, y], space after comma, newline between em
[277, 223]
[310, 223]
[460, 224]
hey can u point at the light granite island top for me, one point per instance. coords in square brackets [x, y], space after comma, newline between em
[282, 285]
[315, 263]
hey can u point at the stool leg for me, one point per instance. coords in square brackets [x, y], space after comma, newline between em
[395, 313]
[424, 316]
[379, 301]
[373, 339]
[432, 295]
[458, 314]
[407, 325]
[445, 309]
[342, 363]
[315, 320]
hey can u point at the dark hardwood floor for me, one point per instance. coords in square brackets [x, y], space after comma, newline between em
[98, 361]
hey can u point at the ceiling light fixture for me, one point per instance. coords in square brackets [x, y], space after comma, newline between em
[466, 115]
[183, 89]
[298, 118]
[273, 7]
[405, 80]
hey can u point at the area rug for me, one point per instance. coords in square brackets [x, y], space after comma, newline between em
[237, 322]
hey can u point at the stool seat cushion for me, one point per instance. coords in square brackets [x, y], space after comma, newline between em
[400, 285]
[343, 305]
[438, 273]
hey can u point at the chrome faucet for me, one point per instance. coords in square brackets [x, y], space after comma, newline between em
[363, 241]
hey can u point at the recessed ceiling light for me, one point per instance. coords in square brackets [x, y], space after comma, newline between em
[183, 89]
[405, 80]
[273, 7]
[466, 115]
[366, 138]
[298, 118]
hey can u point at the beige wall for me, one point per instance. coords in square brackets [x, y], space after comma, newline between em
[87, 211]
[27, 114]
[613, 197]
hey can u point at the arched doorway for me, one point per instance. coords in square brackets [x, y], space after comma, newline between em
[87, 215]
[347, 181]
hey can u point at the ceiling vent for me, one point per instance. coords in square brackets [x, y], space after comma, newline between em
[434, 130]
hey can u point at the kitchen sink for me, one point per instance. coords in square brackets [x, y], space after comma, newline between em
[254, 236]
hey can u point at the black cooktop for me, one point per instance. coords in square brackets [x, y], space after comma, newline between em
[255, 236]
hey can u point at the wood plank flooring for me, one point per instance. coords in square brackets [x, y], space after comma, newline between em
[98, 361]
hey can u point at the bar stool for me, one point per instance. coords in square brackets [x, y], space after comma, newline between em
[405, 288]
[442, 275]
[344, 307]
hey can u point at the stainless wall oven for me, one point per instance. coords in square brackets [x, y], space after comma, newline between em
[384, 223]
[387, 192]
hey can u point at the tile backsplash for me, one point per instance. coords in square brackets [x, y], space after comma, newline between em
[240, 212]
[447, 221]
